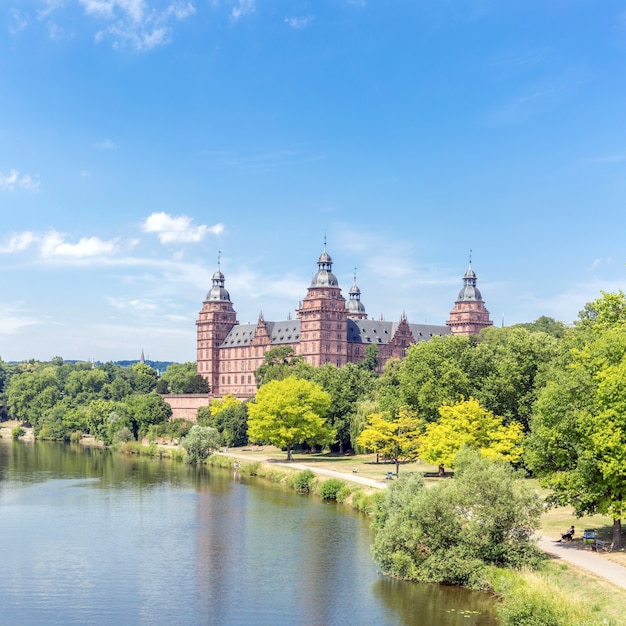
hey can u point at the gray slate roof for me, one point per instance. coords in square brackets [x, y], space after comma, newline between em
[359, 331]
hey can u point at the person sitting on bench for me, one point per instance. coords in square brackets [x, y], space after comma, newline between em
[569, 535]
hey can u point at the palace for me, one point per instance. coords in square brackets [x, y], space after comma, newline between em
[327, 329]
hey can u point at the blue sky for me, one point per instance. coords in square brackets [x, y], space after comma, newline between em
[140, 137]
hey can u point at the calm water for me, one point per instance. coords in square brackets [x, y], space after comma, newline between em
[92, 537]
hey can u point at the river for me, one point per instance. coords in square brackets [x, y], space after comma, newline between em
[88, 536]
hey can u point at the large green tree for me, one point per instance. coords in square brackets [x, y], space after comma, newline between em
[182, 378]
[392, 436]
[346, 386]
[510, 368]
[468, 424]
[288, 412]
[280, 363]
[436, 372]
[229, 416]
[147, 410]
[578, 434]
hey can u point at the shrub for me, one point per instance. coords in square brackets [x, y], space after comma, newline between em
[18, 432]
[200, 442]
[450, 533]
[76, 436]
[329, 489]
[303, 481]
[122, 435]
[344, 493]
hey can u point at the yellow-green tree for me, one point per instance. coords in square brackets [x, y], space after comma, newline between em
[468, 424]
[395, 439]
[289, 412]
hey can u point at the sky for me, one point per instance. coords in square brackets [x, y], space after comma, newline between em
[143, 140]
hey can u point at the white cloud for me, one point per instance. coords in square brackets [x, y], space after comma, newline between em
[53, 245]
[13, 318]
[19, 242]
[105, 144]
[244, 7]
[178, 229]
[18, 21]
[13, 180]
[49, 6]
[299, 22]
[133, 304]
[137, 23]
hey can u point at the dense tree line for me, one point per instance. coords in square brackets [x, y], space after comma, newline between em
[61, 400]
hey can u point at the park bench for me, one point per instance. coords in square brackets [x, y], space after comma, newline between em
[601, 546]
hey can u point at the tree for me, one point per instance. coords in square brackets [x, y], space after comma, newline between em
[182, 378]
[280, 363]
[436, 372]
[144, 411]
[31, 393]
[451, 532]
[577, 444]
[370, 362]
[229, 416]
[200, 442]
[547, 325]
[346, 385]
[393, 438]
[289, 412]
[144, 378]
[513, 370]
[468, 424]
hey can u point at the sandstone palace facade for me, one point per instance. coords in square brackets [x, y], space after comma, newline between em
[327, 329]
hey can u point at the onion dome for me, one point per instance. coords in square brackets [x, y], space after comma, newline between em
[218, 293]
[469, 290]
[354, 305]
[324, 276]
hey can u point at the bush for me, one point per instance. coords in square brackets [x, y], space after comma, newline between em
[303, 481]
[451, 532]
[123, 435]
[76, 436]
[329, 489]
[200, 442]
[18, 432]
[344, 493]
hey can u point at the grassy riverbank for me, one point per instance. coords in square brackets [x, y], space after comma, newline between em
[559, 594]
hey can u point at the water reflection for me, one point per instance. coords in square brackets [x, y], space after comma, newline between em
[90, 536]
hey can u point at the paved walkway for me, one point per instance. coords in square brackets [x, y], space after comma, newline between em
[571, 553]
[585, 559]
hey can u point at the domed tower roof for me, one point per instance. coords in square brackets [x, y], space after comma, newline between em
[324, 276]
[354, 305]
[469, 292]
[218, 293]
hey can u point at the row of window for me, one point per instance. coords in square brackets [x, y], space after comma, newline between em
[226, 380]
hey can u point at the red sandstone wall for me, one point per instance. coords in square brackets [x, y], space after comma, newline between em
[186, 405]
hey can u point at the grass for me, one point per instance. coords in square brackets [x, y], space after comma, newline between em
[364, 464]
[557, 595]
